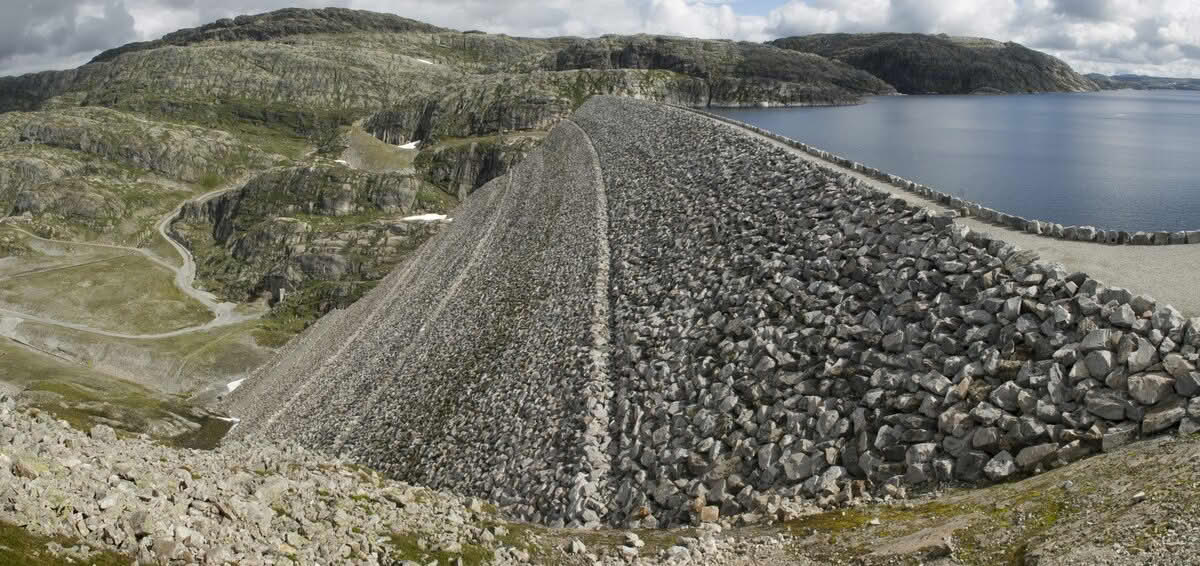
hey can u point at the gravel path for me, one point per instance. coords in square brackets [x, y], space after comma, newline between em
[1165, 273]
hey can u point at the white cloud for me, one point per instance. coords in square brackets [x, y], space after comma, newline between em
[1148, 36]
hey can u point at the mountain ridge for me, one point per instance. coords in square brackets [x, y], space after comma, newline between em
[940, 64]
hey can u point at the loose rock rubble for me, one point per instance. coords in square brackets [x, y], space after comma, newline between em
[778, 335]
[250, 504]
[245, 504]
[470, 368]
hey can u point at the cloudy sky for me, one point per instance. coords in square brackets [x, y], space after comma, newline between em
[1159, 37]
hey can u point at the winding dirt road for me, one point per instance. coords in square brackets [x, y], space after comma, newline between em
[224, 313]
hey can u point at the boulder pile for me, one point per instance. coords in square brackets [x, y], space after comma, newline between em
[768, 331]
[782, 331]
[244, 504]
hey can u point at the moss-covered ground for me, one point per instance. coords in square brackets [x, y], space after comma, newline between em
[372, 154]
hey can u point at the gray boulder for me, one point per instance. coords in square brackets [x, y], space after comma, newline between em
[1106, 404]
[1163, 416]
[1099, 363]
[1150, 388]
[1119, 435]
[1000, 467]
[1032, 456]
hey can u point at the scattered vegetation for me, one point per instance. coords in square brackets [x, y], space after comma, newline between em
[301, 308]
[128, 293]
[19, 546]
[410, 546]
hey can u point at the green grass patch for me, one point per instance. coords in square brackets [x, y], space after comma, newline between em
[160, 247]
[433, 200]
[19, 546]
[376, 155]
[128, 294]
[406, 546]
[207, 437]
[211, 180]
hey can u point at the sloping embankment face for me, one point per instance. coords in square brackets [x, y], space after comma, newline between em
[775, 330]
[470, 367]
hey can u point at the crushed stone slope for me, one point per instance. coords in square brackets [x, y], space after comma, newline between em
[468, 368]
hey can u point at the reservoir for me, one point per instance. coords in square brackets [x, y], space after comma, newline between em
[1117, 160]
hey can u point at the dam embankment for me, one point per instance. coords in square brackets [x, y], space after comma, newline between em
[772, 329]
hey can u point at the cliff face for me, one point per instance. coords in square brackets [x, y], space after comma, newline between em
[940, 64]
[293, 226]
[460, 168]
[94, 172]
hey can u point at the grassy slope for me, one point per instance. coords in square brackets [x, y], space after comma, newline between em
[128, 294]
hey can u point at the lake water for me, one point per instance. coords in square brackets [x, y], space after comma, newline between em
[1117, 160]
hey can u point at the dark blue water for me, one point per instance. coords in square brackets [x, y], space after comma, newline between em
[1118, 160]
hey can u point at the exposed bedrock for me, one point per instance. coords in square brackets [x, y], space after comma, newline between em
[775, 330]
[292, 225]
[461, 168]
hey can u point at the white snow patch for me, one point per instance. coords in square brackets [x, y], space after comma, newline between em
[342, 161]
[427, 62]
[426, 217]
[233, 385]
[410, 145]
[229, 419]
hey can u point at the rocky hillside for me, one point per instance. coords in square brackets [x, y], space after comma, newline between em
[98, 498]
[322, 234]
[271, 66]
[1142, 82]
[940, 64]
[93, 172]
[282, 83]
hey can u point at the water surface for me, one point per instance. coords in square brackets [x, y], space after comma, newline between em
[1123, 160]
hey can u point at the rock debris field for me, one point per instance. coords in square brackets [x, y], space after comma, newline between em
[769, 331]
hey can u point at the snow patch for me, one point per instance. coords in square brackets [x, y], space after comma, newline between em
[410, 145]
[425, 218]
[342, 161]
[424, 61]
[233, 385]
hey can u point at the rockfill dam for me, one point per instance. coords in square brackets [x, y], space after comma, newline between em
[658, 319]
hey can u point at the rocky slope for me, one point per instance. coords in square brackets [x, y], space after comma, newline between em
[940, 64]
[284, 80]
[326, 230]
[729, 68]
[94, 172]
